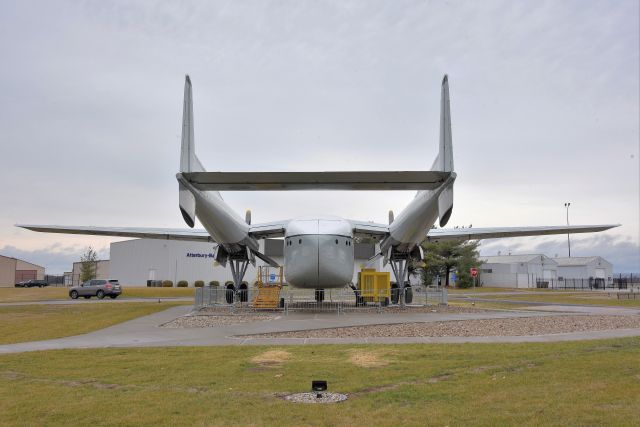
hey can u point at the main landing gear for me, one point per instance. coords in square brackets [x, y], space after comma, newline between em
[239, 261]
[401, 292]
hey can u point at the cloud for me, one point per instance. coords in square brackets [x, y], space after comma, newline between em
[56, 259]
[544, 96]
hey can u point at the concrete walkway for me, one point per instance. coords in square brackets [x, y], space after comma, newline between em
[146, 331]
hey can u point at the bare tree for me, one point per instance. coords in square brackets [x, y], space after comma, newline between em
[89, 265]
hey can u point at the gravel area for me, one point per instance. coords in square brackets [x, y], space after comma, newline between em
[472, 328]
[435, 309]
[208, 321]
[312, 398]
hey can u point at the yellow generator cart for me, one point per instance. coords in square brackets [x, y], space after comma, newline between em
[373, 286]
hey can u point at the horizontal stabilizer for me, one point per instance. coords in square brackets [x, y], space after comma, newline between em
[462, 234]
[278, 181]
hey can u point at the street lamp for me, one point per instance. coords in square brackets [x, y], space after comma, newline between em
[566, 205]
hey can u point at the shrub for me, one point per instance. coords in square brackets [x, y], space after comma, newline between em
[227, 283]
[183, 284]
[167, 284]
[198, 283]
[214, 283]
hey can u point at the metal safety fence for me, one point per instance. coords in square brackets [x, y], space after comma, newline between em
[591, 283]
[341, 300]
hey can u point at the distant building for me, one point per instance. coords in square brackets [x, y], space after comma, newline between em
[102, 271]
[517, 271]
[13, 270]
[133, 262]
[593, 267]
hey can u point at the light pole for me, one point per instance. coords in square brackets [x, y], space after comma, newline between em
[566, 205]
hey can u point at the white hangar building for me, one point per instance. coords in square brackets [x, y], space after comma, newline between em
[594, 267]
[517, 271]
[133, 262]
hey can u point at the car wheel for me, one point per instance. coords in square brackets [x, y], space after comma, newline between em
[100, 294]
[74, 294]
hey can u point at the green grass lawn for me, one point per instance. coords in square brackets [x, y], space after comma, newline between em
[22, 323]
[482, 290]
[49, 293]
[589, 298]
[579, 383]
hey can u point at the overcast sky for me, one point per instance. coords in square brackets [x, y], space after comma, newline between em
[544, 100]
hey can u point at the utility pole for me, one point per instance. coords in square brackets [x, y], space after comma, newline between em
[566, 205]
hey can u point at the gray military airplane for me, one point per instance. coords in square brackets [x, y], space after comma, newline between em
[318, 250]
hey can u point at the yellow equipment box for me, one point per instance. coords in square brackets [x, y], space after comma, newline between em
[374, 286]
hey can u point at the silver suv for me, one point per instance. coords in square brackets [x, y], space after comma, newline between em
[96, 288]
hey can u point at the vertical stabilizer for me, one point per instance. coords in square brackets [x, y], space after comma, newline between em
[444, 161]
[445, 153]
[188, 160]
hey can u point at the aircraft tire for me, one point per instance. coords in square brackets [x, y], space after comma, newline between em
[395, 293]
[408, 295]
[229, 294]
[244, 293]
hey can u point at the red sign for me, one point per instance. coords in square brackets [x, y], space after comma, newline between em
[474, 272]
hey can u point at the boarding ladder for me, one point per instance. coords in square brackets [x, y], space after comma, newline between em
[269, 284]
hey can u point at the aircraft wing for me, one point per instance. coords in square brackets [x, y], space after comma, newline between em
[436, 235]
[197, 235]
[369, 229]
[268, 229]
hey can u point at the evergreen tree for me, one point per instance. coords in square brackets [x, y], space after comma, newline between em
[441, 258]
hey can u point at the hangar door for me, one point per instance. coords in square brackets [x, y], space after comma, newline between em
[600, 273]
[26, 275]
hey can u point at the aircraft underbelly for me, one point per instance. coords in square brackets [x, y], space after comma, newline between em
[318, 261]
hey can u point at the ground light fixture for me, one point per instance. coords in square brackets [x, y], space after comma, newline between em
[318, 387]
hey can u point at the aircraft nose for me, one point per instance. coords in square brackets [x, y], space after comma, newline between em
[301, 261]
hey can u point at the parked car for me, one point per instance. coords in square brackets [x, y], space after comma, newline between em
[31, 283]
[96, 288]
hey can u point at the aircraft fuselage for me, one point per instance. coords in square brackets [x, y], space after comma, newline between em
[318, 252]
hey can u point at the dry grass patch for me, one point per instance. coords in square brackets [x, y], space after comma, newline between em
[271, 358]
[368, 359]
